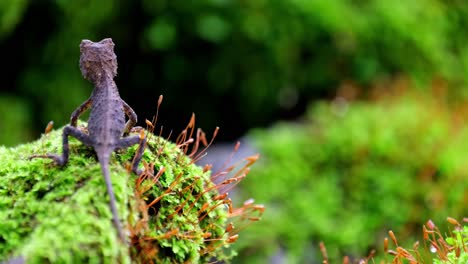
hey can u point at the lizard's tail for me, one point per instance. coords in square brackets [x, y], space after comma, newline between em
[104, 161]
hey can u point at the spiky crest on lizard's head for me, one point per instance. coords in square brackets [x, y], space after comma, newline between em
[97, 59]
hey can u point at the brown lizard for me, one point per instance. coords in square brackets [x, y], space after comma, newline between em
[106, 124]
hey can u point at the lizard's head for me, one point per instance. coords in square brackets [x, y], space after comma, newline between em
[97, 58]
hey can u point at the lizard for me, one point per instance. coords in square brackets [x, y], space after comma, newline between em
[107, 130]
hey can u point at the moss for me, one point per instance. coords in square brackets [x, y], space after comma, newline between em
[61, 215]
[353, 172]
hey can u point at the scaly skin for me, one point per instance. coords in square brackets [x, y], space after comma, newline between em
[106, 124]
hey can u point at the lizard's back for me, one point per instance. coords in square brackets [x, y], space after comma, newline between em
[106, 123]
[107, 118]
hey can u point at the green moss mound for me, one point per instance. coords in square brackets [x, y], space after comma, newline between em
[350, 172]
[61, 215]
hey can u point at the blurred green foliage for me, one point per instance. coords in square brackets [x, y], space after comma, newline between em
[10, 14]
[252, 59]
[349, 173]
[15, 115]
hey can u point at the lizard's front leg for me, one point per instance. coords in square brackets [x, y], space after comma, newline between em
[78, 111]
[61, 160]
[132, 118]
[130, 141]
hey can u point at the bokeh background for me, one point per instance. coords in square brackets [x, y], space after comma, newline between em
[358, 108]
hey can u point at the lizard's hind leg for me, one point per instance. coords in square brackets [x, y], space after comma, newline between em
[130, 141]
[61, 160]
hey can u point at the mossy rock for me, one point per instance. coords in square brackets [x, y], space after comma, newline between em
[50, 214]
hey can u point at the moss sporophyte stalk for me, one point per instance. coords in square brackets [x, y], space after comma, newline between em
[452, 247]
[174, 212]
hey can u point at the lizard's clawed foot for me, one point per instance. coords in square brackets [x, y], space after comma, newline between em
[136, 129]
[138, 172]
[58, 160]
[148, 169]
